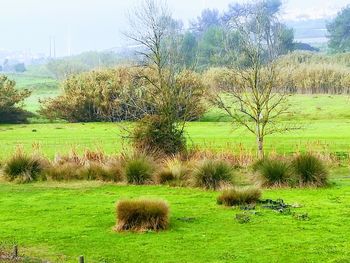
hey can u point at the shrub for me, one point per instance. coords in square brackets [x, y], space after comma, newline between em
[119, 94]
[310, 170]
[11, 101]
[139, 170]
[273, 172]
[157, 134]
[24, 168]
[142, 215]
[213, 174]
[103, 95]
[232, 197]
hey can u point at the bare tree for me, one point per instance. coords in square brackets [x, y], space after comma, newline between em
[256, 99]
[171, 89]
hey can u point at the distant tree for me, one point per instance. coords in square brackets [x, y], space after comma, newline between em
[189, 49]
[20, 68]
[211, 47]
[271, 26]
[286, 40]
[11, 101]
[339, 32]
[256, 98]
[208, 18]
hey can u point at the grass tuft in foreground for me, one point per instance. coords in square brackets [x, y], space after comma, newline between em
[236, 196]
[142, 215]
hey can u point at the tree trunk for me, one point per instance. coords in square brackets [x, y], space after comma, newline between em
[260, 142]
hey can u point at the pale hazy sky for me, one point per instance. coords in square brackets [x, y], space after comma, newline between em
[97, 24]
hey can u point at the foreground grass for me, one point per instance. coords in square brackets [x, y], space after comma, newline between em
[60, 221]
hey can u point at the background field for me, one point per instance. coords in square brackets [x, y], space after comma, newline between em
[324, 122]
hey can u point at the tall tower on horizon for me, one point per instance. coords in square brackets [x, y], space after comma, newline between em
[52, 53]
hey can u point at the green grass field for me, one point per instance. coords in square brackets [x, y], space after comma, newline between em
[328, 136]
[324, 119]
[42, 87]
[60, 221]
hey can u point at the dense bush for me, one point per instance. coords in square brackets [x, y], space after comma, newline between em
[273, 172]
[96, 96]
[213, 174]
[308, 72]
[24, 168]
[139, 170]
[235, 196]
[11, 101]
[299, 72]
[156, 134]
[310, 170]
[116, 95]
[142, 215]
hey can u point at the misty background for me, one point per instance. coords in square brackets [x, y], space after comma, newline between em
[84, 25]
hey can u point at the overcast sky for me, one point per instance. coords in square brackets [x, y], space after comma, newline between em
[97, 24]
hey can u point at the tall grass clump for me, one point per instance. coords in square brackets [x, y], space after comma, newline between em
[139, 170]
[235, 196]
[63, 172]
[90, 171]
[100, 172]
[310, 170]
[273, 172]
[24, 168]
[142, 215]
[175, 172]
[212, 174]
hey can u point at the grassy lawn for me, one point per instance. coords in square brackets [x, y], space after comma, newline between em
[325, 135]
[42, 87]
[60, 221]
[324, 120]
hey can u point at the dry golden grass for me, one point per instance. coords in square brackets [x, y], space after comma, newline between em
[142, 215]
[236, 196]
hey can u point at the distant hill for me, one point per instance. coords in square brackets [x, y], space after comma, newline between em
[310, 31]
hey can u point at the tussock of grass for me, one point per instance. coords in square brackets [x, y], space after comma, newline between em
[175, 172]
[142, 215]
[139, 170]
[310, 170]
[236, 196]
[24, 168]
[273, 172]
[213, 174]
[63, 172]
[111, 172]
